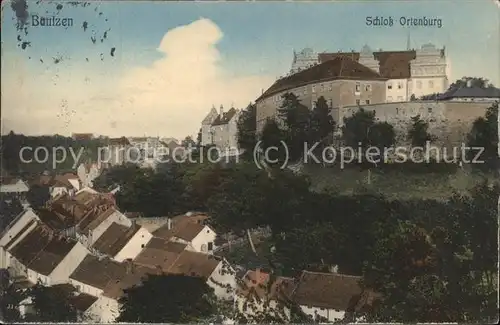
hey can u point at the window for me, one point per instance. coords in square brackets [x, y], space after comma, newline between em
[210, 246]
[389, 85]
[357, 101]
[330, 102]
[419, 84]
[358, 88]
[330, 87]
[431, 84]
[322, 87]
[429, 109]
[400, 85]
[305, 91]
[368, 87]
[142, 245]
[367, 102]
[314, 88]
[397, 110]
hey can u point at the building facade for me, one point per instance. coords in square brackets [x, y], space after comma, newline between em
[221, 130]
[411, 73]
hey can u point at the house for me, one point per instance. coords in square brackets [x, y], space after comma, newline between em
[117, 152]
[42, 255]
[107, 307]
[151, 150]
[330, 296]
[87, 173]
[221, 130]
[68, 183]
[121, 242]
[471, 94]
[190, 229]
[82, 136]
[14, 232]
[258, 293]
[174, 258]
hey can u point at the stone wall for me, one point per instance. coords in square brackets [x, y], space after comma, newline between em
[449, 121]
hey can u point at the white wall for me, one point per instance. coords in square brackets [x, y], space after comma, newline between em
[15, 227]
[421, 86]
[201, 240]
[103, 310]
[117, 217]
[135, 245]
[223, 280]
[396, 90]
[34, 277]
[329, 314]
[70, 262]
[18, 187]
[85, 288]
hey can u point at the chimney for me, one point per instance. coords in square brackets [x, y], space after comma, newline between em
[169, 223]
[221, 111]
[130, 266]
[469, 83]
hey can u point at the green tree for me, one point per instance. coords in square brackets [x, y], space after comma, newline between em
[247, 125]
[474, 82]
[273, 137]
[38, 195]
[321, 126]
[418, 134]
[10, 298]
[52, 304]
[167, 299]
[295, 117]
[484, 135]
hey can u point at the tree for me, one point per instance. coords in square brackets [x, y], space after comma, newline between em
[295, 117]
[361, 130]
[38, 195]
[167, 299]
[188, 142]
[10, 298]
[418, 133]
[247, 125]
[321, 124]
[474, 82]
[273, 137]
[198, 139]
[52, 304]
[9, 210]
[484, 134]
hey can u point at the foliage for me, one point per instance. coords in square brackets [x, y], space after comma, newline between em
[273, 137]
[38, 195]
[188, 299]
[9, 210]
[52, 304]
[247, 125]
[484, 134]
[418, 133]
[10, 298]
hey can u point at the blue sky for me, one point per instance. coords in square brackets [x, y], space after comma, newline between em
[246, 45]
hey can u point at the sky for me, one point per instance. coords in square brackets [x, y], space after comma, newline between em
[173, 60]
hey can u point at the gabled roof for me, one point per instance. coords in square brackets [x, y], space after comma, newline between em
[157, 255]
[339, 68]
[112, 241]
[195, 264]
[98, 273]
[225, 118]
[327, 290]
[257, 282]
[392, 64]
[471, 92]
[137, 274]
[42, 250]
[183, 227]
[210, 116]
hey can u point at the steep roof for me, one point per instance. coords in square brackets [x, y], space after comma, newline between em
[137, 274]
[393, 64]
[112, 241]
[98, 272]
[338, 68]
[471, 92]
[210, 116]
[41, 250]
[183, 227]
[225, 118]
[327, 290]
[194, 264]
[257, 282]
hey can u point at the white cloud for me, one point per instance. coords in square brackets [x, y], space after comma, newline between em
[169, 98]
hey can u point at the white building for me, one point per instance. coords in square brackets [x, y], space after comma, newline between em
[12, 185]
[87, 173]
[191, 230]
[410, 73]
[42, 255]
[150, 150]
[221, 130]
